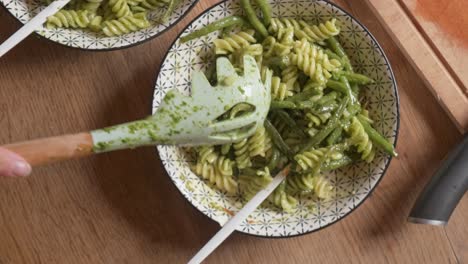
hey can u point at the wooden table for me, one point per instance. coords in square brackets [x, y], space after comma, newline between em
[122, 207]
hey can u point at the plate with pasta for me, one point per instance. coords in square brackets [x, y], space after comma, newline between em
[103, 24]
[334, 114]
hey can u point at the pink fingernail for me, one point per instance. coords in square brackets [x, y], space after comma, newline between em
[21, 169]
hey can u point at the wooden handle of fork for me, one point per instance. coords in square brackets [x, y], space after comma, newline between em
[49, 150]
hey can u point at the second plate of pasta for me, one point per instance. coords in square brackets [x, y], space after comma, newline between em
[103, 24]
[218, 180]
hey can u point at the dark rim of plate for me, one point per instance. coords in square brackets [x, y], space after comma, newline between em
[110, 49]
[396, 131]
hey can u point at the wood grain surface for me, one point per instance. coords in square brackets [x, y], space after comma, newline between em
[422, 52]
[122, 207]
[445, 24]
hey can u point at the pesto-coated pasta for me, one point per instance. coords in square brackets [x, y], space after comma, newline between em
[108, 17]
[316, 121]
[69, 19]
[125, 25]
[361, 140]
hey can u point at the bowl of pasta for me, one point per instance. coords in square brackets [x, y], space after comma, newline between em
[334, 114]
[103, 24]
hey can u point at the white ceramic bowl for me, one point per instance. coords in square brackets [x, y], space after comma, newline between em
[24, 10]
[353, 184]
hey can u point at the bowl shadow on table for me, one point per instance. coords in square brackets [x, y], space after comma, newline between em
[135, 182]
[411, 177]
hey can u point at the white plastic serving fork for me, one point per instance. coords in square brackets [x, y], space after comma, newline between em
[32, 25]
[180, 120]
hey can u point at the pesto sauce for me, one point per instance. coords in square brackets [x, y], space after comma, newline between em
[103, 146]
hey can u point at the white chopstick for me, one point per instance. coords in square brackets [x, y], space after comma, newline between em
[231, 225]
[32, 25]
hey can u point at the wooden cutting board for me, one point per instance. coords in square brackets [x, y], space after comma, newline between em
[433, 35]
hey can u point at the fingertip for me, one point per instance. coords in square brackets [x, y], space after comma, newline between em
[12, 165]
[21, 169]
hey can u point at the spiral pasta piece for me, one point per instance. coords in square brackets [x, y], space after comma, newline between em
[234, 42]
[134, 2]
[218, 170]
[313, 33]
[269, 46]
[309, 65]
[210, 173]
[323, 189]
[207, 154]
[289, 76]
[224, 166]
[259, 143]
[320, 32]
[69, 19]
[252, 184]
[153, 4]
[95, 23]
[279, 90]
[303, 46]
[316, 120]
[313, 158]
[283, 200]
[277, 24]
[125, 25]
[361, 140]
[286, 35]
[300, 183]
[119, 7]
[241, 151]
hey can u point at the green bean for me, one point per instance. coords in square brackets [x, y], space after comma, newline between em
[249, 171]
[334, 136]
[330, 97]
[290, 122]
[349, 92]
[357, 78]
[302, 96]
[339, 50]
[217, 25]
[336, 47]
[333, 123]
[280, 61]
[306, 104]
[277, 139]
[355, 89]
[325, 108]
[336, 164]
[266, 11]
[227, 31]
[282, 105]
[337, 86]
[378, 139]
[169, 10]
[252, 17]
[274, 159]
[312, 86]
[333, 55]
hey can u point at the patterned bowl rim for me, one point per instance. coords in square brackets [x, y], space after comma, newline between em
[397, 99]
[195, 2]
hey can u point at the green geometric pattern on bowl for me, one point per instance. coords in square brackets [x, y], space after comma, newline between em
[353, 184]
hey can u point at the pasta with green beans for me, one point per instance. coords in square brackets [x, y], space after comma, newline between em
[108, 17]
[316, 121]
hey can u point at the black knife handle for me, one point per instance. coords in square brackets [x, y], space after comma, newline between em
[442, 194]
